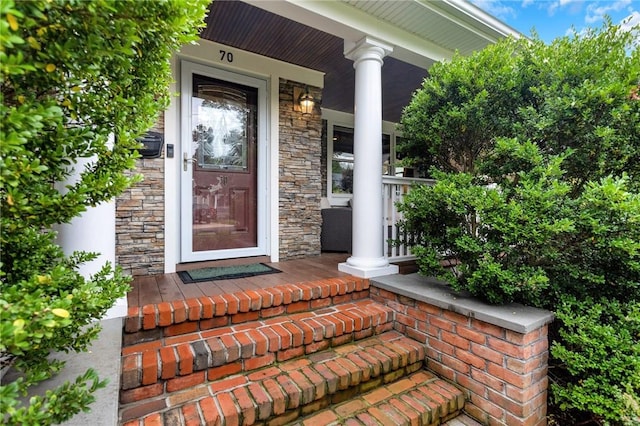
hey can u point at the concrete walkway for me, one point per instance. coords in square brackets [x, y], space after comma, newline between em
[104, 357]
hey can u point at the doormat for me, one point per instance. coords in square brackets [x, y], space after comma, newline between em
[225, 273]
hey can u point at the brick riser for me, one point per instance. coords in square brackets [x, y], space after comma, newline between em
[166, 319]
[369, 374]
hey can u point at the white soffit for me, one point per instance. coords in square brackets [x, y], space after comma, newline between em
[421, 31]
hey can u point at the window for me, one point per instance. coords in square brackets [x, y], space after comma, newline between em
[342, 161]
[340, 157]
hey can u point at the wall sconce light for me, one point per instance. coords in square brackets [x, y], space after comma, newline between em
[304, 102]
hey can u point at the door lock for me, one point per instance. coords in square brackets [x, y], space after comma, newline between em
[186, 160]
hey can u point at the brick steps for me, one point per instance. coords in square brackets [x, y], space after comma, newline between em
[419, 399]
[154, 321]
[306, 354]
[281, 393]
[188, 359]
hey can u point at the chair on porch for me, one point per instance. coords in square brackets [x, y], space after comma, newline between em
[336, 234]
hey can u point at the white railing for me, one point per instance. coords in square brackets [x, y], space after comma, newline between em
[393, 191]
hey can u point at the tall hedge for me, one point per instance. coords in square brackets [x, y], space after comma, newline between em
[546, 210]
[80, 81]
[578, 93]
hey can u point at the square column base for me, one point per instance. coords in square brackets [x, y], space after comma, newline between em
[118, 310]
[363, 272]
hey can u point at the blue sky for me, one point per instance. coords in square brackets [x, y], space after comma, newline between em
[554, 18]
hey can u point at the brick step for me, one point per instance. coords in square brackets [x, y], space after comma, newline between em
[178, 360]
[282, 392]
[420, 399]
[154, 321]
[183, 360]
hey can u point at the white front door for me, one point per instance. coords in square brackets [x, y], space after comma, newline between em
[223, 173]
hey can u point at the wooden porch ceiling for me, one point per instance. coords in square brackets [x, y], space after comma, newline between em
[249, 28]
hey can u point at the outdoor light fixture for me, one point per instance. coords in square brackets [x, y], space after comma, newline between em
[305, 101]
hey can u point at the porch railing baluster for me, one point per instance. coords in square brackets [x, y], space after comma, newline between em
[394, 189]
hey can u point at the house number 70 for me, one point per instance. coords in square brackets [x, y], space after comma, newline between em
[226, 56]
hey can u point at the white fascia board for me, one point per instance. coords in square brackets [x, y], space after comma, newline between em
[350, 24]
[469, 9]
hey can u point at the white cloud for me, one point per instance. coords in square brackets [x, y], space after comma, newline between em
[526, 3]
[628, 24]
[597, 10]
[575, 32]
[630, 21]
[573, 6]
[496, 8]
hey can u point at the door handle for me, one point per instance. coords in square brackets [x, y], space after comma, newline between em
[186, 160]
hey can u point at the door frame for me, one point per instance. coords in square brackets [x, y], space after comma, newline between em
[188, 68]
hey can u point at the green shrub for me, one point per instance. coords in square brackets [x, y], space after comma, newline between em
[501, 233]
[579, 92]
[528, 240]
[600, 257]
[73, 74]
[547, 207]
[599, 352]
[461, 108]
[581, 89]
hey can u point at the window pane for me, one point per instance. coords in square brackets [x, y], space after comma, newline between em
[342, 162]
[386, 155]
[342, 142]
[342, 177]
[220, 117]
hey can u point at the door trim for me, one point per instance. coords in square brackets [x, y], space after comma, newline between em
[187, 254]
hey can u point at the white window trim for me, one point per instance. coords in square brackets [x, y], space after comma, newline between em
[342, 119]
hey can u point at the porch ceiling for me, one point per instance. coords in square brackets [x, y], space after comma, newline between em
[313, 39]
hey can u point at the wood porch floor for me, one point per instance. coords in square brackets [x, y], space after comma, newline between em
[169, 287]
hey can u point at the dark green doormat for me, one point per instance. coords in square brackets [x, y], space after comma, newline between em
[225, 273]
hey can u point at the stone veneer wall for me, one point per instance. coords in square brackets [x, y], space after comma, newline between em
[140, 219]
[504, 372]
[300, 176]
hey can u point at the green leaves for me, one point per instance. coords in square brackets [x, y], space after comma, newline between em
[600, 349]
[575, 93]
[55, 406]
[536, 153]
[502, 228]
[461, 107]
[81, 80]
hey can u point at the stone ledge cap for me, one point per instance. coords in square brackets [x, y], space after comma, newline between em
[513, 316]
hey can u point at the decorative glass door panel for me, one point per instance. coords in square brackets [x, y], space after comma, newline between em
[220, 164]
[224, 123]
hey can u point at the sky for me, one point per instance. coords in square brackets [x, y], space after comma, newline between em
[554, 18]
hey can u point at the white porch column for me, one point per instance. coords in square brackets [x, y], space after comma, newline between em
[367, 258]
[93, 231]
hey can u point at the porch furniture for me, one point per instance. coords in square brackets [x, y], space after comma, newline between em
[336, 229]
